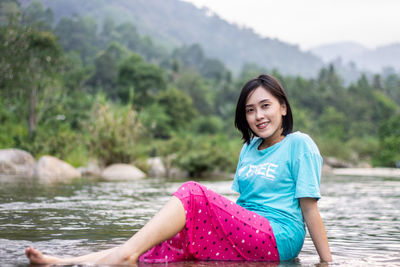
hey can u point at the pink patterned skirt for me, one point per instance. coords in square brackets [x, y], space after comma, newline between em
[216, 229]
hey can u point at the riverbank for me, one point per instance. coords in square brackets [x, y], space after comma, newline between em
[371, 172]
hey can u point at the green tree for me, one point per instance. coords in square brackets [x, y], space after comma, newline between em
[192, 57]
[172, 112]
[105, 75]
[389, 143]
[114, 132]
[78, 34]
[29, 66]
[196, 87]
[178, 106]
[392, 87]
[155, 119]
[207, 125]
[145, 80]
[129, 36]
[332, 124]
[9, 11]
[331, 88]
[203, 153]
[35, 15]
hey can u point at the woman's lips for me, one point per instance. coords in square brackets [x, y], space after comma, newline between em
[262, 125]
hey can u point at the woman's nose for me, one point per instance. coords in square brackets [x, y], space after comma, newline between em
[259, 115]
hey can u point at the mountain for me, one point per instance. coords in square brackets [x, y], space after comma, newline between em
[374, 60]
[174, 23]
[381, 57]
[347, 51]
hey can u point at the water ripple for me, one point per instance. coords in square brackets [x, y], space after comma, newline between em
[361, 216]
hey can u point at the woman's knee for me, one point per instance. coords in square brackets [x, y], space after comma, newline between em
[190, 187]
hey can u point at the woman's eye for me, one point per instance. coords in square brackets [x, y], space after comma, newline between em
[249, 110]
[265, 105]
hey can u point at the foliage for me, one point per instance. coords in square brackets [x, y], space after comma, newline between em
[78, 34]
[389, 143]
[192, 57]
[112, 94]
[29, 64]
[334, 148]
[195, 86]
[106, 64]
[204, 153]
[144, 79]
[207, 125]
[37, 16]
[113, 132]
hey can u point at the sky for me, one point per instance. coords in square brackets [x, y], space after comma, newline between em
[310, 23]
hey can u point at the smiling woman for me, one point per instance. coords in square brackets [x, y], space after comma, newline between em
[278, 174]
[264, 115]
[278, 178]
[267, 113]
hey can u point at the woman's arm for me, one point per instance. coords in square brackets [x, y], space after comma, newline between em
[316, 227]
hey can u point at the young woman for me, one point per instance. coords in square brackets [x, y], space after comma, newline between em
[278, 178]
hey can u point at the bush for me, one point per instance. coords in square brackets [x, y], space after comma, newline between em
[114, 132]
[200, 154]
[207, 125]
[389, 143]
[334, 148]
[363, 148]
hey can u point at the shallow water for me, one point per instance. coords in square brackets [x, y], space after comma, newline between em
[361, 216]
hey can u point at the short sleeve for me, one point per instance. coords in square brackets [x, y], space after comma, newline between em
[307, 175]
[235, 183]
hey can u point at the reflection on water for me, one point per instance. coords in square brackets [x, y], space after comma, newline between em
[361, 217]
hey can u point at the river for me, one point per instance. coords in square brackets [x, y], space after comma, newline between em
[361, 215]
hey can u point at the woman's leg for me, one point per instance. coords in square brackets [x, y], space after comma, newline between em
[169, 221]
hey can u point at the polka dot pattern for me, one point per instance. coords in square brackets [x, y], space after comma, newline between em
[216, 229]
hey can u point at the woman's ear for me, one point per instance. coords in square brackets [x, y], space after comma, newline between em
[283, 109]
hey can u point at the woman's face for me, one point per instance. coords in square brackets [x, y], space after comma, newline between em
[264, 115]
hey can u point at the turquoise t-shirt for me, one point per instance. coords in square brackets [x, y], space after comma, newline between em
[271, 181]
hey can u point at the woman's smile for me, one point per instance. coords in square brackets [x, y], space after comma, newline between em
[264, 116]
[262, 125]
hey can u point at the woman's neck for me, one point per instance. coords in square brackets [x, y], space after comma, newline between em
[268, 142]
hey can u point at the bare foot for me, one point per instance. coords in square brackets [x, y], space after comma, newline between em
[36, 257]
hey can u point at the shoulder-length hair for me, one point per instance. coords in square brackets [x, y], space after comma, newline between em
[272, 85]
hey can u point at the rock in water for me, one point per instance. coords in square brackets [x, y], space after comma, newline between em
[91, 170]
[156, 168]
[16, 163]
[122, 172]
[51, 169]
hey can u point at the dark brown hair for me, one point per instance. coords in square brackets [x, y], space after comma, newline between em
[272, 85]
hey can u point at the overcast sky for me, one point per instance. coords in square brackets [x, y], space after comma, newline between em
[309, 23]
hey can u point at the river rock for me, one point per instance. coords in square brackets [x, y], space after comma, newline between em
[50, 169]
[171, 171]
[337, 163]
[176, 173]
[16, 163]
[156, 168]
[122, 172]
[91, 170]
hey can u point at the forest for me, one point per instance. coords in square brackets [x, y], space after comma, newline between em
[79, 90]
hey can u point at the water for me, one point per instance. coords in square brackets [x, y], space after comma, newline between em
[361, 217]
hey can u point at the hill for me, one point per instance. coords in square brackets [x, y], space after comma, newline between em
[374, 60]
[173, 23]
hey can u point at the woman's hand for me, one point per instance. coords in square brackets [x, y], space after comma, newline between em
[316, 228]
